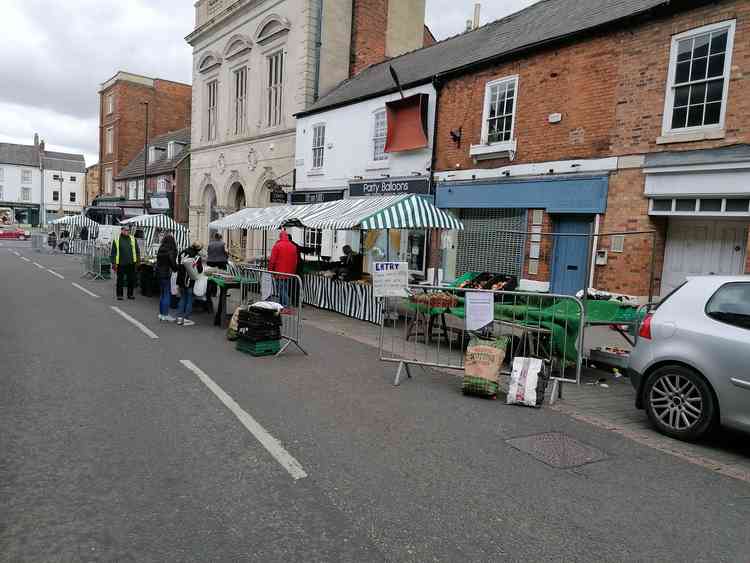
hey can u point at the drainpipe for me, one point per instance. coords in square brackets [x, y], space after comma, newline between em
[318, 45]
[433, 162]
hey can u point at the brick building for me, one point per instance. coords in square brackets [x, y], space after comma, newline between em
[572, 119]
[92, 183]
[122, 119]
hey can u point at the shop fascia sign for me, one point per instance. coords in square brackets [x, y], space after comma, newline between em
[389, 186]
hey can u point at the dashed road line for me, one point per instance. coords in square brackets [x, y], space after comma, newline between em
[86, 291]
[272, 445]
[138, 324]
[38, 265]
[25, 259]
[56, 274]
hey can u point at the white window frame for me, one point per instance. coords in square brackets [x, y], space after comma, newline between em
[318, 146]
[161, 185]
[1, 192]
[26, 176]
[110, 103]
[313, 238]
[374, 138]
[273, 113]
[141, 190]
[2, 174]
[25, 194]
[132, 190]
[239, 93]
[108, 181]
[486, 147]
[109, 136]
[212, 109]
[670, 90]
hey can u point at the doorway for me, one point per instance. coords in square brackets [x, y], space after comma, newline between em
[570, 254]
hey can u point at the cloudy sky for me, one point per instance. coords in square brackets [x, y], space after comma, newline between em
[55, 53]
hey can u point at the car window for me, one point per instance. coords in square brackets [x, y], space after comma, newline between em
[668, 295]
[731, 304]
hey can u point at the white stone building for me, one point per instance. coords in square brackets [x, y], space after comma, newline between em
[256, 63]
[64, 184]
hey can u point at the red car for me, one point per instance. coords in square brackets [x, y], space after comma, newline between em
[14, 233]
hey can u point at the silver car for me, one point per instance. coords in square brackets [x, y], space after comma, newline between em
[691, 363]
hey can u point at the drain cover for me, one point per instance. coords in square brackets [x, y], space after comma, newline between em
[557, 449]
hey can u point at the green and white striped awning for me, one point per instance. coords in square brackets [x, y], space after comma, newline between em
[152, 223]
[76, 221]
[366, 213]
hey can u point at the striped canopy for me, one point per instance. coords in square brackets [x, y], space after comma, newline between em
[77, 221]
[387, 212]
[150, 224]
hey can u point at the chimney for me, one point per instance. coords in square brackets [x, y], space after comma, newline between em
[477, 11]
[36, 139]
[41, 146]
[469, 25]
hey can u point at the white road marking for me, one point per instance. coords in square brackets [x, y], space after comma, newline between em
[55, 274]
[271, 444]
[16, 253]
[86, 291]
[25, 259]
[142, 327]
[38, 265]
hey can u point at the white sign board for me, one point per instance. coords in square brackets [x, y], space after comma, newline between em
[480, 309]
[108, 233]
[266, 286]
[390, 279]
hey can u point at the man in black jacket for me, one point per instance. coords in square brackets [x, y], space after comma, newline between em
[125, 257]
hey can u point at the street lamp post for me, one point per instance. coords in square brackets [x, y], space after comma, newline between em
[145, 162]
[61, 180]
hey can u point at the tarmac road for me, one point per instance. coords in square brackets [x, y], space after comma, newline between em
[162, 443]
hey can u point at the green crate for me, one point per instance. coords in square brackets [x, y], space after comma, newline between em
[264, 348]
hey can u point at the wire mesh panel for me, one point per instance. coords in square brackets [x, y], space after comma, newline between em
[432, 327]
[491, 241]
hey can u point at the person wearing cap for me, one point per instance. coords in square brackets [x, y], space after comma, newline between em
[125, 256]
[190, 268]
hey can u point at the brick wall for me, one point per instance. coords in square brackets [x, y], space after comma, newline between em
[169, 110]
[429, 38]
[92, 183]
[369, 32]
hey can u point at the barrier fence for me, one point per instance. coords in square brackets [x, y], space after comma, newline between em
[96, 263]
[257, 284]
[432, 327]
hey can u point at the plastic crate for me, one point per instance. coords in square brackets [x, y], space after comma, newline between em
[264, 348]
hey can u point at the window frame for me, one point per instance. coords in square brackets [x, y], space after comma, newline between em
[110, 103]
[385, 161]
[25, 194]
[72, 196]
[132, 190]
[239, 102]
[669, 95]
[55, 195]
[2, 196]
[2, 174]
[26, 176]
[73, 179]
[108, 181]
[317, 243]
[321, 148]
[713, 296]
[212, 111]
[510, 143]
[269, 55]
[109, 140]
[141, 190]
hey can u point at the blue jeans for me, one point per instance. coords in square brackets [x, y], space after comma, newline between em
[185, 306]
[166, 295]
[282, 290]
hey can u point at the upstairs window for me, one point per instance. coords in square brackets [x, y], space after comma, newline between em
[72, 178]
[72, 197]
[26, 194]
[110, 104]
[55, 196]
[173, 149]
[25, 176]
[379, 136]
[213, 96]
[2, 174]
[108, 181]
[240, 100]
[132, 190]
[699, 69]
[110, 140]
[274, 91]
[318, 145]
[499, 111]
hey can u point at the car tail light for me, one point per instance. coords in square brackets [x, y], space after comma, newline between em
[645, 331]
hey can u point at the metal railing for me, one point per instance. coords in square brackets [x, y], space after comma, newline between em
[429, 328]
[96, 263]
[257, 284]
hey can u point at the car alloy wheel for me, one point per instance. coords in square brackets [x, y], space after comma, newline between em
[679, 402]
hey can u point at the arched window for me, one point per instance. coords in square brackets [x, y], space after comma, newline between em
[271, 28]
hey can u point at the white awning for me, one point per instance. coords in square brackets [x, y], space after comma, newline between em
[151, 223]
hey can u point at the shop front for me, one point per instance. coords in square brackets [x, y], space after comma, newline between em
[705, 198]
[507, 224]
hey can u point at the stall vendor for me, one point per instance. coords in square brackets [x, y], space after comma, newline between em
[350, 265]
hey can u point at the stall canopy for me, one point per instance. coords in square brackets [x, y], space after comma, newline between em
[152, 223]
[388, 212]
[79, 221]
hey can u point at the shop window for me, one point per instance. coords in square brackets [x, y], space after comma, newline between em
[699, 71]
[490, 241]
[318, 145]
[314, 240]
[731, 305]
[274, 89]
[416, 248]
[380, 133]
[685, 205]
[710, 205]
[738, 205]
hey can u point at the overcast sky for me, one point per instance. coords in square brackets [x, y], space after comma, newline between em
[54, 54]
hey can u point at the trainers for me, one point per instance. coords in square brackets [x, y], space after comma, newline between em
[188, 322]
[162, 317]
[180, 320]
[169, 318]
[119, 298]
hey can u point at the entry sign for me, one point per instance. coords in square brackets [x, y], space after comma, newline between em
[390, 279]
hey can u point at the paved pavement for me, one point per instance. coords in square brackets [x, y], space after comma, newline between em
[113, 450]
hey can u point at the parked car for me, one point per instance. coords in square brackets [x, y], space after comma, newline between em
[14, 233]
[691, 363]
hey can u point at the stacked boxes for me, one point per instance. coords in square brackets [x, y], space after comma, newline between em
[259, 331]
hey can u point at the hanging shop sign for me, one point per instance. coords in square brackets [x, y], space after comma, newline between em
[389, 186]
[278, 196]
[316, 196]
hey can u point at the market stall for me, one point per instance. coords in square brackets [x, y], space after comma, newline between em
[74, 233]
[326, 283]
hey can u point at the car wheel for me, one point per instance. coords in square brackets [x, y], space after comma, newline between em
[679, 402]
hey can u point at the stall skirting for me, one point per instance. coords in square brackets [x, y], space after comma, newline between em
[351, 299]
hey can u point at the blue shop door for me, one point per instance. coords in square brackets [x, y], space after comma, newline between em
[570, 254]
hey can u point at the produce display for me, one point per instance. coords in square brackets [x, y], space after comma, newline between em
[437, 300]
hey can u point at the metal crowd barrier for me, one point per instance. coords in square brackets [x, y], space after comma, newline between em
[428, 328]
[96, 263]
[257, 284]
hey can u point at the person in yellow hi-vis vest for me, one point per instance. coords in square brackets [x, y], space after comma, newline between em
[125, 258]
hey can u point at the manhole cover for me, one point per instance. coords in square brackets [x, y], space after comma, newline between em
[557, 449]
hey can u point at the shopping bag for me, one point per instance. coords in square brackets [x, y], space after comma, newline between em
[527, 383]
[174, 289]
[200, 287]
[484, 358]
[233, 329]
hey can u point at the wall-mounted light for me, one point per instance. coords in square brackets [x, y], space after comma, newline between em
[456, 135]
[506, 173]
